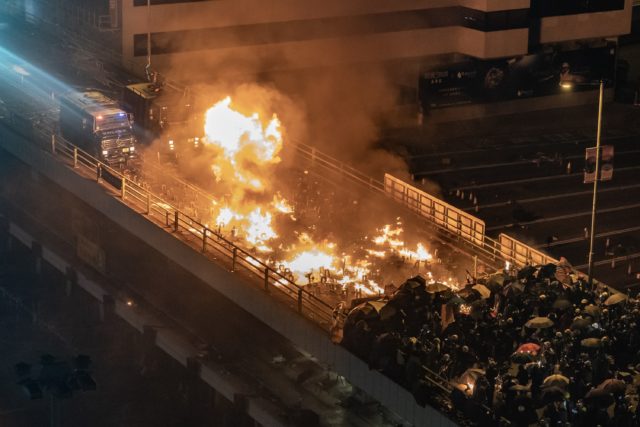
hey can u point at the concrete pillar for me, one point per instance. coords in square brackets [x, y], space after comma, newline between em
[107, 308]
[240, 410]
[148, 360]
[35, 309]
[5, 236]
[71, 280]
[36, 252]
[195, 388]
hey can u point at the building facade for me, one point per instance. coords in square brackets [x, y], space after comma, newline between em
[426, 44]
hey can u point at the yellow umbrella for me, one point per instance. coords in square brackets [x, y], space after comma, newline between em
[539, 323]
[615, 299]
[436, 287]
[483, 291]
[556, 380]
[590, 342]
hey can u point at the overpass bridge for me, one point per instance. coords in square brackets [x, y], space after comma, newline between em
[179, 236]
[285, 307]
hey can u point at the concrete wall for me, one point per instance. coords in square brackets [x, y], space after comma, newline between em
[287, 322]
[318, 52]
[588, 25]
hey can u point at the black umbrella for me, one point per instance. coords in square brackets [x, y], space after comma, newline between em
[553, 394]
[437, 287]
[512, 289]
[497, 279]
[562, 304]
[421, 280]
[613, 386]
[522, 357]
[469, 294]
[412, 285]
[580, 323]
[455, 299]
[526, 272]
[599, 396]
[547, 271]
[387, 312]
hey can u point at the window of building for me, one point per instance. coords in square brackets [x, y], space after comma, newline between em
[544, 8]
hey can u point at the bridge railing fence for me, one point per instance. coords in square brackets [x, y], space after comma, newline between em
[197, 233]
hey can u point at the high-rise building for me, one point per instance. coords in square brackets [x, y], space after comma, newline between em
[449, 52]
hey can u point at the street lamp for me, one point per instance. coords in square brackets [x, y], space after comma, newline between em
[595, 185]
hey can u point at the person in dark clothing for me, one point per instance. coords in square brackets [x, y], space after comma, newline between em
[522, 376]
[556, 414]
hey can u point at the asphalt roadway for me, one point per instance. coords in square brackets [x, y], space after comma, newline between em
[525, 174]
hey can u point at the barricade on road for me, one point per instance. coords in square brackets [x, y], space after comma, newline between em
[453, 219]
[521, 254]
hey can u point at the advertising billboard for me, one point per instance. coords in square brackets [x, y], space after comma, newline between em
[548, 73]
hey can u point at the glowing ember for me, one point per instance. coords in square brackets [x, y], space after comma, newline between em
[281, 205]
[225, 216]
[420, 254]
[235, 133]
[389, 236]
[259, 230]
[309, 262]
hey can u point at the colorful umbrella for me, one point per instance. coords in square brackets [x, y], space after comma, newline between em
[483, 290]
[436, 287]
[556, 380]
[590, 342]
[539, 323]
[471, 375]
[615, 299]
[529, 347]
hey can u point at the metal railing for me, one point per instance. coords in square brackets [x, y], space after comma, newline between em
[197, 234]
[435, 210]
[335, 167]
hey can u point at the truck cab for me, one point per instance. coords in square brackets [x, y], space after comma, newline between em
[163, 115]
[96, 124]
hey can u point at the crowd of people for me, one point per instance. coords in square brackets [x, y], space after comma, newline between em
[539, 346]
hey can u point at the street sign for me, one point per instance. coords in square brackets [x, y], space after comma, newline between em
[590, 165]
[606, 164]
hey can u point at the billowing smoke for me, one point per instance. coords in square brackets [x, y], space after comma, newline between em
[339, 109]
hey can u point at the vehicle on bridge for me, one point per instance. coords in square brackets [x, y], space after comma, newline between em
[164, 115]
[96, 124]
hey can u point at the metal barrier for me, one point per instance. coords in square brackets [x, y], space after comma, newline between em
[521, 254]
[453, 219]
[326, 163]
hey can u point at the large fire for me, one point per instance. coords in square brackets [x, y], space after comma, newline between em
[247, 152]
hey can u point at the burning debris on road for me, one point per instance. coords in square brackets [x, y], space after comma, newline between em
[313, 236]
